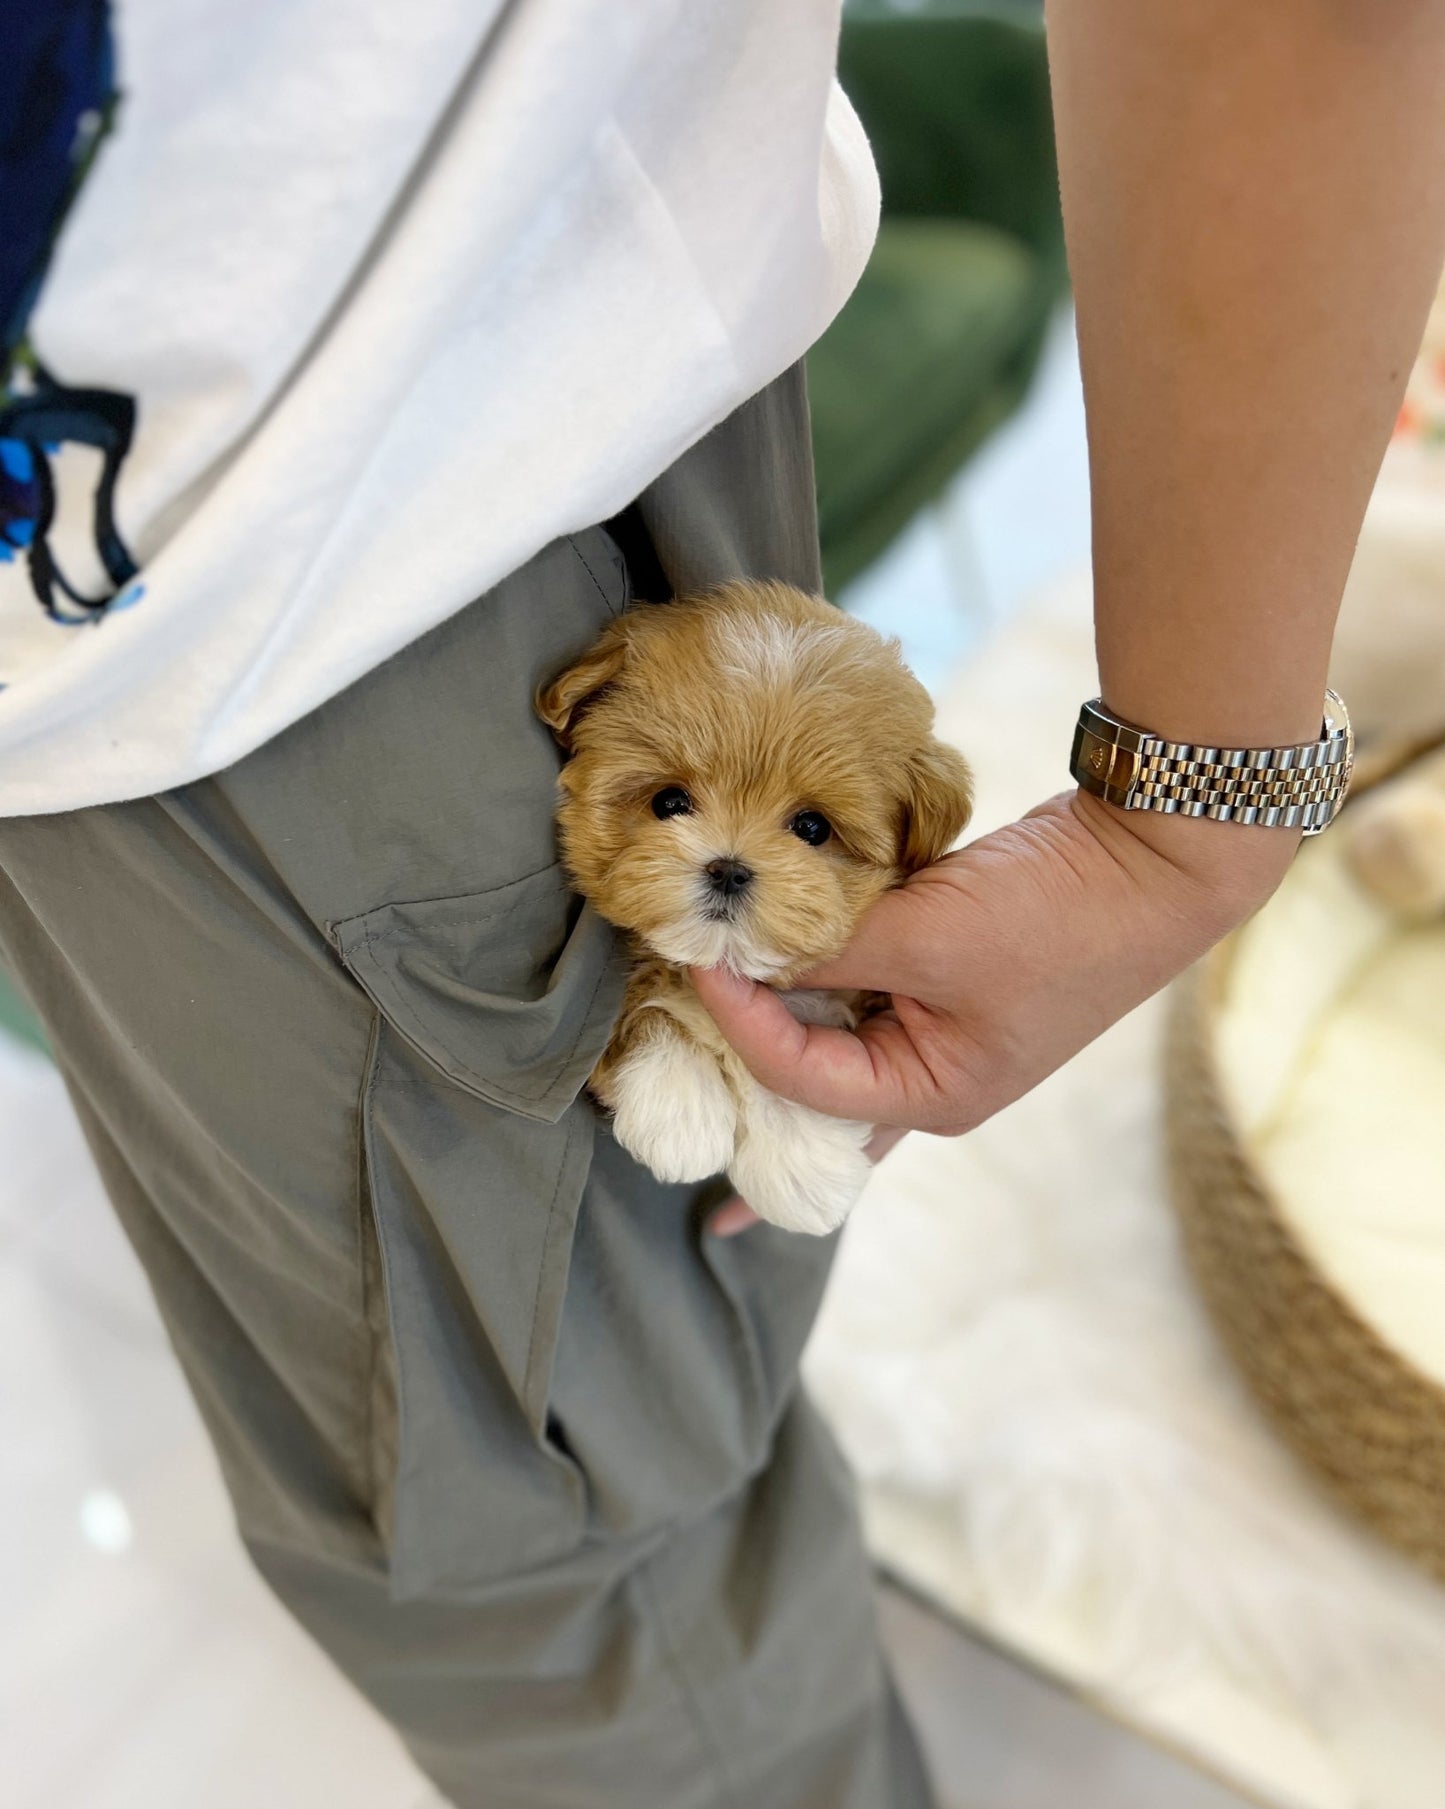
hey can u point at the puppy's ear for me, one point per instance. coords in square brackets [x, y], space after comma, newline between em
[938, 804]
[561, 702]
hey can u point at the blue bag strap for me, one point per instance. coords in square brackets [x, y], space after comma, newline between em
[58, 99]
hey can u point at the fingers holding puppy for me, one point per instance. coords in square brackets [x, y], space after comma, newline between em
[872, 1074]
[1002, 961]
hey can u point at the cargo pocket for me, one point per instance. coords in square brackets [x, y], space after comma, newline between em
[495, 1007]
[510, 992]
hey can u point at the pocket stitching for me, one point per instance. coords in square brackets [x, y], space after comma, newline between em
[539, 1417]
[362, 1189]
[371, 1204]
[610, 606]
[340, 925]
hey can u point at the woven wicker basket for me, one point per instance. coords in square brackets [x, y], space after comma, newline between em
[1357, 1410]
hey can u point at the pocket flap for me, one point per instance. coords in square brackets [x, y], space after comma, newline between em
[510, 992]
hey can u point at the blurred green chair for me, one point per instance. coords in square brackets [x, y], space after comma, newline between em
[15, 1018]
[936, 346]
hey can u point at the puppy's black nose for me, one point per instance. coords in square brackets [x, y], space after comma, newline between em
[728, 877]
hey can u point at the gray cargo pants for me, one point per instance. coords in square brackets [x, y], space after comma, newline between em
[520, 1446]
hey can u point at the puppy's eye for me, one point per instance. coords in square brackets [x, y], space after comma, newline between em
[672, 801]
[812, 827]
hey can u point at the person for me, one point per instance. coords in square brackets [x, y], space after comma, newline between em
[450, 336]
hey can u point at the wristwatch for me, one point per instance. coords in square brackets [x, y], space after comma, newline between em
[1298, 787]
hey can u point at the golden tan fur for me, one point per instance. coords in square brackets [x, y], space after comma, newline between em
[759, 702]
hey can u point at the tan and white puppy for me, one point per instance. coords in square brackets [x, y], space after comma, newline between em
[749, 770]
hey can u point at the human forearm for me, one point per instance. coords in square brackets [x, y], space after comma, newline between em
[1254, 192]
[1255, 198]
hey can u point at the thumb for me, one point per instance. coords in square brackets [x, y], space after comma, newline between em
[752, 1017]
[840, 1072]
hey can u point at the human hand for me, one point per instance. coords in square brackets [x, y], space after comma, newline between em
[1002, 961]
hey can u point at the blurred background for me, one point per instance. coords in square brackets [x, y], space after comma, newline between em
[1136, 1552]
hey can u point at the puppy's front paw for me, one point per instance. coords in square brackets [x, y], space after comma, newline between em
[795, 1167]
[672, 1110]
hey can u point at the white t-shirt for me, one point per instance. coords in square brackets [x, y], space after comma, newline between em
[402, 292]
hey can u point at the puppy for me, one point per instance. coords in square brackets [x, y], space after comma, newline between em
[749, 770]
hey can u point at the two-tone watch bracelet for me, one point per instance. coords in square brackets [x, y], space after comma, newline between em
[1299, 787]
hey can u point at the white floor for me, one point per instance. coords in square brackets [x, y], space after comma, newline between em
[140, 1661]
[1001, 1737]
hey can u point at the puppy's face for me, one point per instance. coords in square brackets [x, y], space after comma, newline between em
[749, 770]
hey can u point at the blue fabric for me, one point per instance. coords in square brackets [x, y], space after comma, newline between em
[57, 99]
[57, 86]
